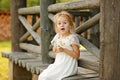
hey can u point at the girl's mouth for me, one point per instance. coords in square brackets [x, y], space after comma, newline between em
[62, 28]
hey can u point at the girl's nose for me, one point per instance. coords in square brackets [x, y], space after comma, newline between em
[61, 25]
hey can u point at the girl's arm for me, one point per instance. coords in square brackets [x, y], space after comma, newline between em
[75, 53]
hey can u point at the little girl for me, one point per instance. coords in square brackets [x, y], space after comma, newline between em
[65, 46]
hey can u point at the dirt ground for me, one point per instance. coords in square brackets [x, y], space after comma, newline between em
[5, 25]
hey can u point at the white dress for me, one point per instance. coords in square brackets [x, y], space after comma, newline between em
[64, 65]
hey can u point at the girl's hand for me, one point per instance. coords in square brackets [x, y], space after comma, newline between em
[54, 49]
[59, 49]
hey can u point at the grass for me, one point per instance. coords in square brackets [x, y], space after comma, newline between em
[5, 46]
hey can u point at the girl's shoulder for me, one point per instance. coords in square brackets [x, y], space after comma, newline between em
[74, 39]
[73, 35]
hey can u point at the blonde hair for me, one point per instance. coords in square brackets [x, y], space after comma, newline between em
[68, 16]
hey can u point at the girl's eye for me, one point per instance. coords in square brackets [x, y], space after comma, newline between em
[59, 23]
[65, 23]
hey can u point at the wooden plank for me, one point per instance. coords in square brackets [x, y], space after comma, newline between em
[29, 28]
[31, 65]
[15, 57]
[27, 34]
[29, 10]
[81, 4]
[31, 48]
[5, 54]
[88, 24]
[22, 62]
[83, 74]
[40, 69]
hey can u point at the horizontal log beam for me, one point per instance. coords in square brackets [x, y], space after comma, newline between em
[30, 47]
[27, 34]
[82, 4]
[29, 10]
[29, 28]
[88, 24]
[76, 6]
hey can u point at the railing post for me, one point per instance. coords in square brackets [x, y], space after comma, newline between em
[17, 30]
[110, 40]
[46, 28]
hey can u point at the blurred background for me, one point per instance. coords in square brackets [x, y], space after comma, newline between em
[5, 34]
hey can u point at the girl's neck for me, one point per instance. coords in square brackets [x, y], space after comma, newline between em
[64, 35]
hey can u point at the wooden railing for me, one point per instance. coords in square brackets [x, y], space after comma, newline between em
[77, 8]
[80, 9]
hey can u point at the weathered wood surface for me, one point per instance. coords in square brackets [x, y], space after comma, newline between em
[70, 6]
[25, 60]
[29, 10]
[29, 28]
[84, 74]
[90, 47]
[27, 34]
[88, 24]
[46, 28]
[110, 40]
[81, 4]
[86, 60]
[30, 48]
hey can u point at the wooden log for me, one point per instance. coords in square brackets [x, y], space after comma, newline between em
[88, 24]
[51, 16]
[29, 28]
[29, 10]
[30, 48]
[94, 31]
[46, 28]
[110, 40]
[17, 30]
[27, 34]
[89, 61]
[82, 4]
[90, 47]
[35, 10]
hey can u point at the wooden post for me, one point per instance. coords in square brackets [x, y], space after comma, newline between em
[17, 30]
[110, 40]
[46, 28]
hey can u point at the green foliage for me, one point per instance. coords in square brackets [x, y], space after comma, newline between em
[4, 4]
[33, 3]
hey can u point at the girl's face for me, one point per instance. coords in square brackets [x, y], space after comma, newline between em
[63, 25]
